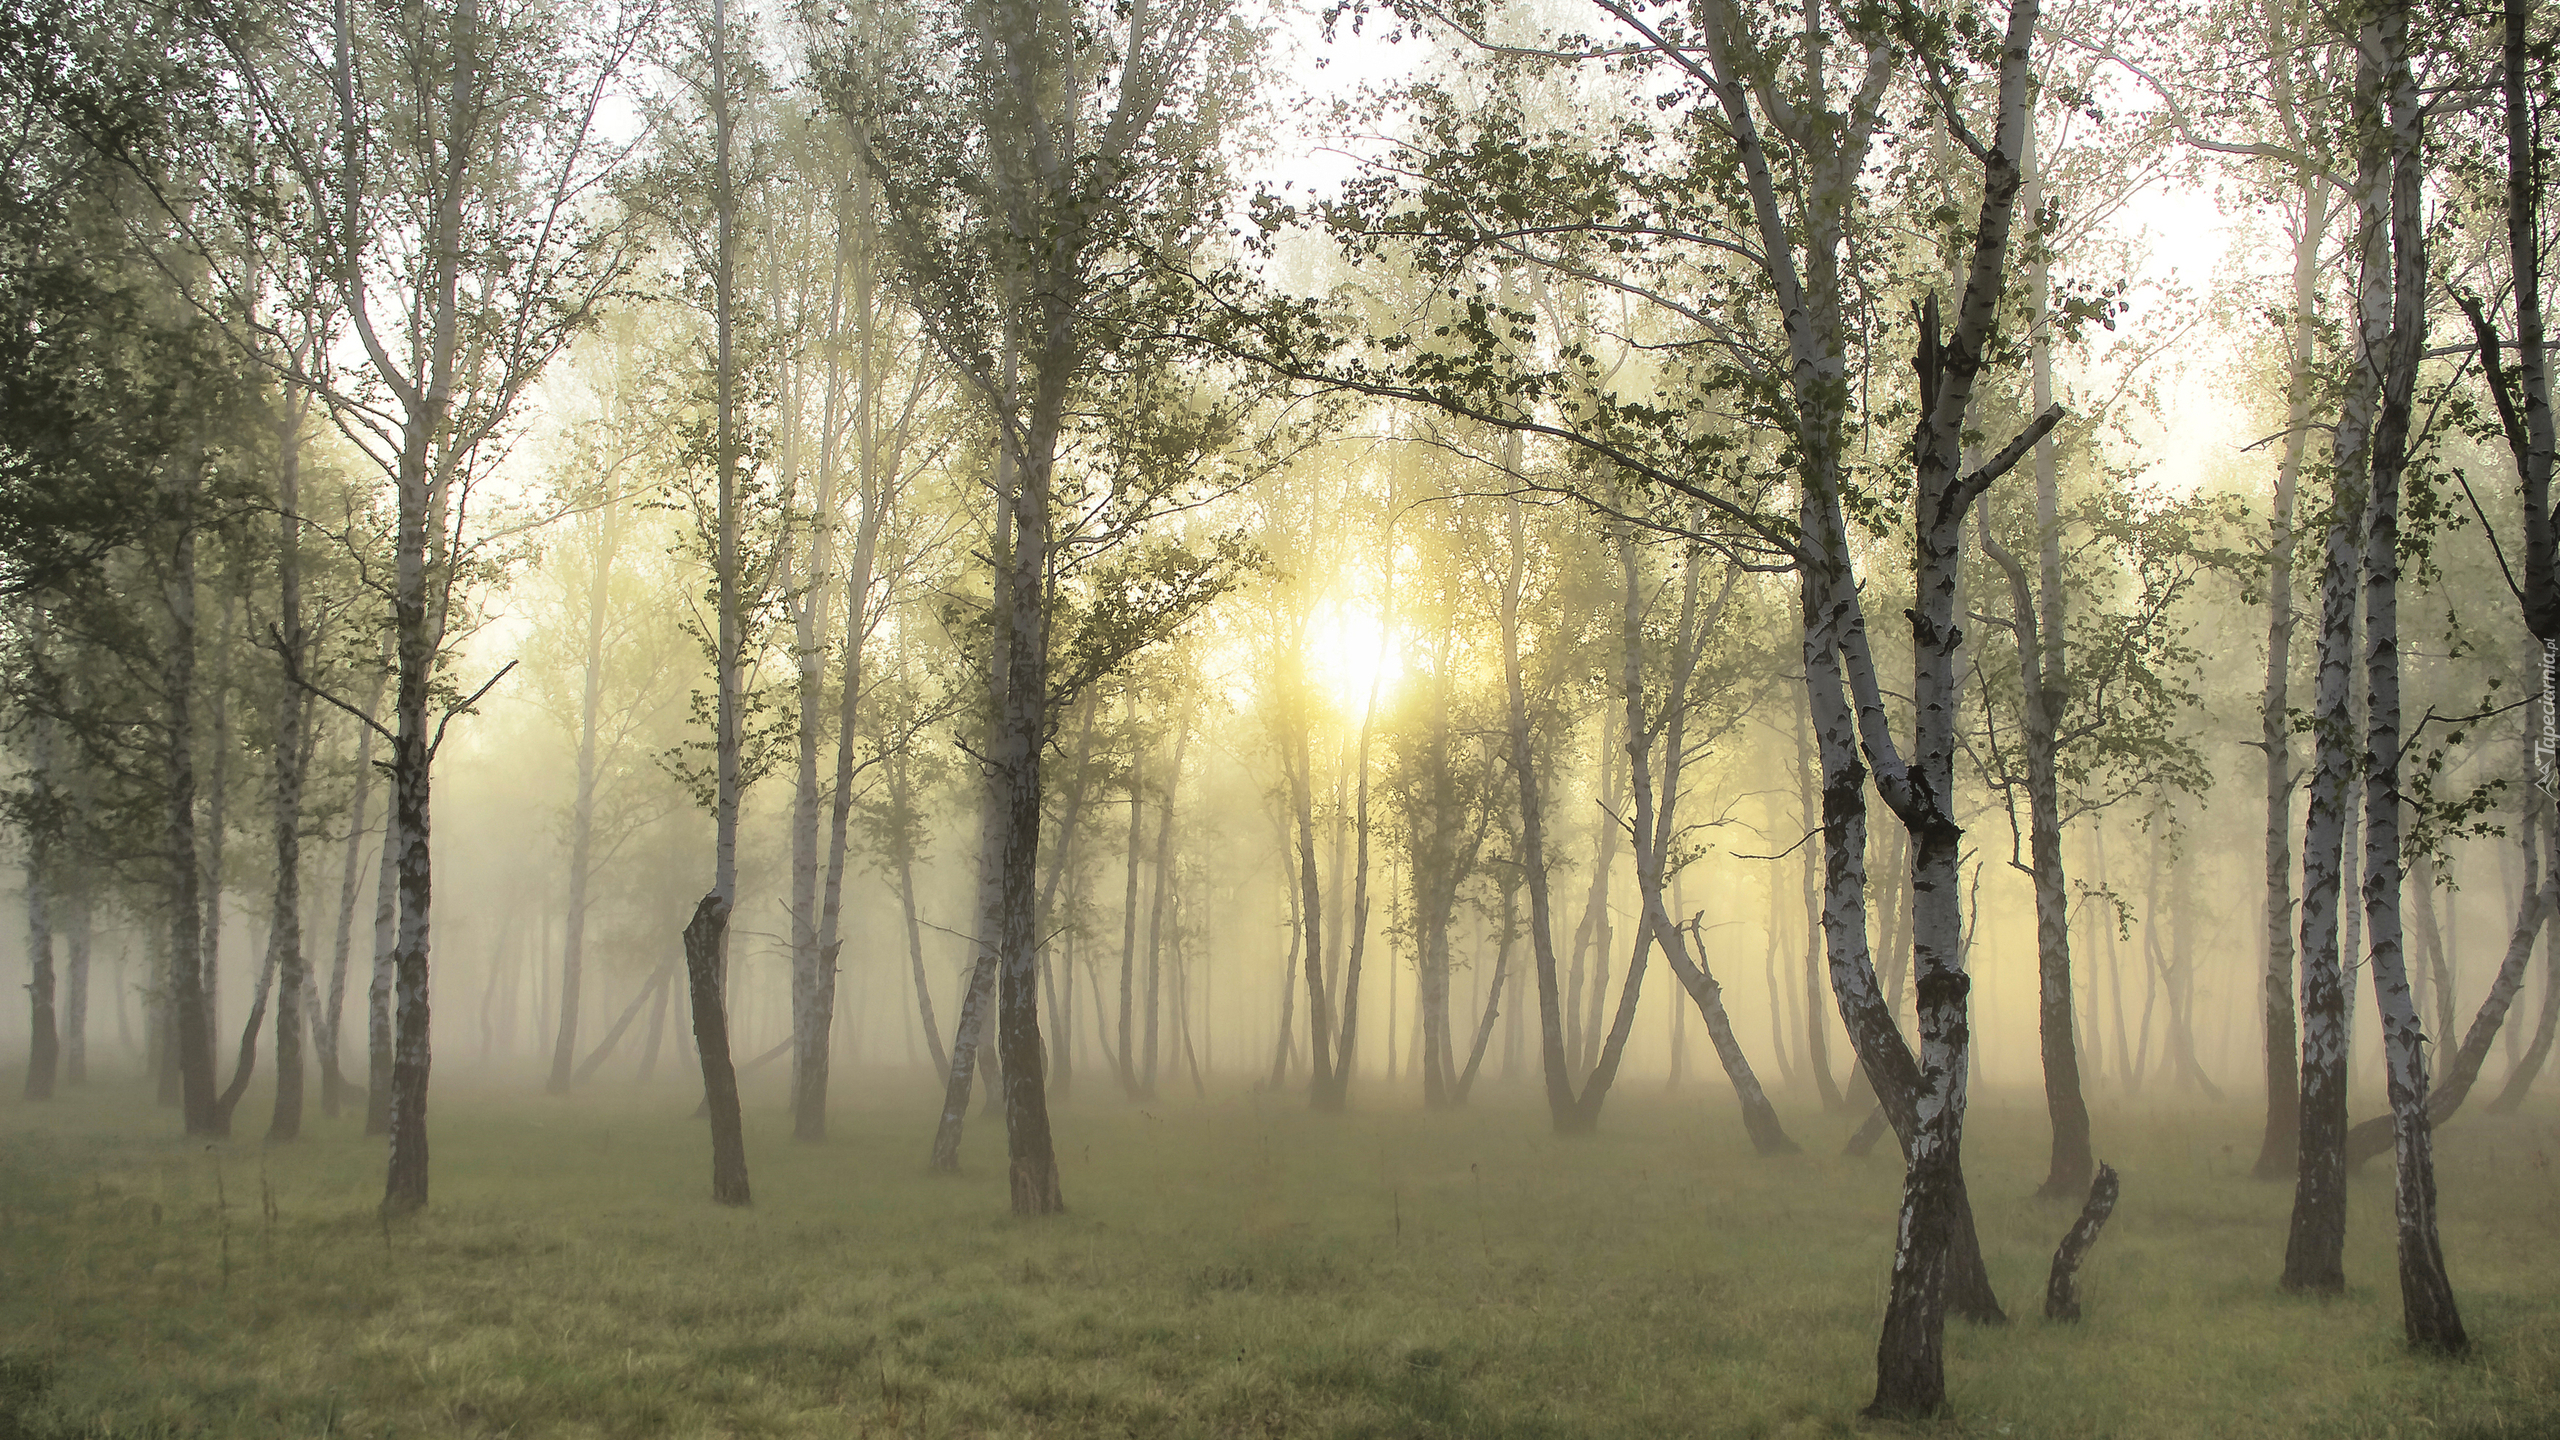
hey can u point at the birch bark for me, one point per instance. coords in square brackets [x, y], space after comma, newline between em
[2316, 1238]
[2429, 1315]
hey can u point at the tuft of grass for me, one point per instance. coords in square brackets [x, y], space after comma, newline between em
[1238, 1268]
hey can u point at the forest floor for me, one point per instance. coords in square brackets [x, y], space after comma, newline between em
[1233, 1268]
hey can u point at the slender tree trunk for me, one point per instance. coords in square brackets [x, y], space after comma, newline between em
[1337, 1094]
[1164, 891]
[245, 1063]
[292, 748]
[2521, 1073]
[2523, 400]
[969, 1034]
[657, 1024]
[1561, 1110]
[1466, 1082]
[2429, 1314]
[75, 993]
[2042, 632]
[1132, 868]
[2278, 1145]
[43, 1047]
[582, 816]
[1817, 1030]
[2316, 1241]
[1779, 1020]
[333, 1080]
[1583, 990]
[190, 1005]
[379, 1039]
[1298, 759]
[653, 988]
[2434, 972]
[706, 937]
[1288, 987]
[878, 491]
[1655, 827]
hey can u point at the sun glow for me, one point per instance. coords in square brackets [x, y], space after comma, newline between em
[1350, 655]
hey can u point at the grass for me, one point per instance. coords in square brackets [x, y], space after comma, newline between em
[1240, 1268]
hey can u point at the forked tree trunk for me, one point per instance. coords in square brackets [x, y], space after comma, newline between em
[1925, 1100]
[1655, 822]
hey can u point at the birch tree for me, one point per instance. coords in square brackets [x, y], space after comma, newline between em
[464, 255]
[1065, 166]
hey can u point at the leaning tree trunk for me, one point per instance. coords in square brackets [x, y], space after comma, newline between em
[969, 1034]
[1655, 825]
[2523, 400]
[2527, 1065]
[2458, 1072]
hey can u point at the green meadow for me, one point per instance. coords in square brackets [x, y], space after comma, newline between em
[1237, 1267]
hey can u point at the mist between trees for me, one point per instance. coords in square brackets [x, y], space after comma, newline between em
[1015, 550]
